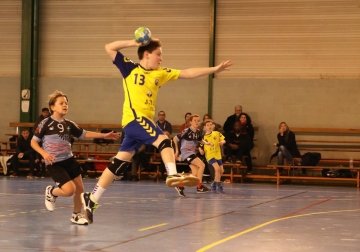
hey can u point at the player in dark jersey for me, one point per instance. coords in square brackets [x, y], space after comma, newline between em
[55, 134]
[190, 140]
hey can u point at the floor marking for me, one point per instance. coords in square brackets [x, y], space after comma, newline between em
[152, 227]
[161, 231]
[307, 207]
[279, 198]
[214, 244]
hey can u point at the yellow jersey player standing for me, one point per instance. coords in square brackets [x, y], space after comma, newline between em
[141, 84]
[213, 141]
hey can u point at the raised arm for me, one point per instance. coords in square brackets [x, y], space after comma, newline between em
[192, 73]
[112, 48]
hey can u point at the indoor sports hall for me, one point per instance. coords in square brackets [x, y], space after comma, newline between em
[293, 61]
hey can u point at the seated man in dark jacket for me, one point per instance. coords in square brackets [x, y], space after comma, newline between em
[23, 152]
[240, 141]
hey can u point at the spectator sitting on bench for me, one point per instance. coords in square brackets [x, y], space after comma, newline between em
[186, 124]
[287, 147]
[229, 123]
[240, 141]
[23, 152]
[164, 124]
[45, 113]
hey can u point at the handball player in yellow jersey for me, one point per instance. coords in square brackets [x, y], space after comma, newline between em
[141, 83]
[213, 141]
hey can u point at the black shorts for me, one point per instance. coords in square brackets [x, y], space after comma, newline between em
[64, 171]
[190, 158]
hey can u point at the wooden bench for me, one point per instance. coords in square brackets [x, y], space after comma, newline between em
[293, 172]
[88, 149]
[95, 171]
[231, 170]
[328, 139]
[337, 146]
[261, 173]
[7, 148]
[154, 166]
[236, 170]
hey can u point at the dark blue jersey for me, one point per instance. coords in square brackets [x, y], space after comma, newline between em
[189, 141]
[56, 136]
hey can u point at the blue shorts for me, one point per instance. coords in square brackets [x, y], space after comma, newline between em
[213, 160]
[139, 131]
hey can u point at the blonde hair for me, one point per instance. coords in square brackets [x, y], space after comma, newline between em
[53, 97]
[287, 127]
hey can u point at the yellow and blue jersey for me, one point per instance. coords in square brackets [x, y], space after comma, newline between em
[213, 150]
[141, 88]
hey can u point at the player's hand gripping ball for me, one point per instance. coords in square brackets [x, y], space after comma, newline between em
[143, 35]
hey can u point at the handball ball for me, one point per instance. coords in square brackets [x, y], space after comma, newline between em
[143, 35]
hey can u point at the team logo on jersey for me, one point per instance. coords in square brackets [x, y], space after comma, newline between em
[156, 82]
[51, 128]
[126, 59]
[149, 93]
[168, 70]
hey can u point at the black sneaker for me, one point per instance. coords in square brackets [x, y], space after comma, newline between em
[89, 206]
[202, 189]
[180, 190]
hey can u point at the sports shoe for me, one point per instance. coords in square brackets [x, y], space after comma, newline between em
[49, 198]
[89, 206]
[180, 190]
[202, 189]
[213, 186]
[181, 180]
[190, 180]
[220, 188]
[78, 218]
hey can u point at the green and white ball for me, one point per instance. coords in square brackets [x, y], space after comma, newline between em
[143, 35]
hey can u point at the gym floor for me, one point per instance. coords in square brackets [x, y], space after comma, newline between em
[148, 216]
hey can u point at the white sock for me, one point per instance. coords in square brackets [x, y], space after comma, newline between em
[171, 168]
[97, 192]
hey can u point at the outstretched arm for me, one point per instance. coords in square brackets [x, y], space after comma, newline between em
[110, 135]
[113, 47]
[192, 73]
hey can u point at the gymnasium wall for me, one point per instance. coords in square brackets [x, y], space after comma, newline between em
[10, 50]
[294, 61]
